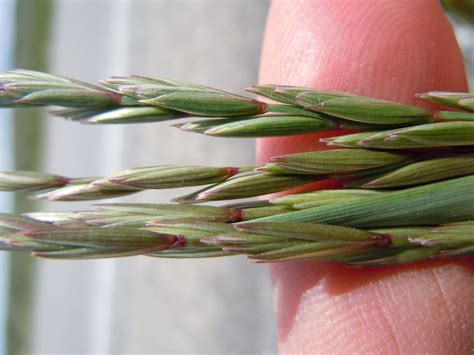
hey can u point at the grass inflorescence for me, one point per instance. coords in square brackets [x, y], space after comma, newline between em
[407, 176]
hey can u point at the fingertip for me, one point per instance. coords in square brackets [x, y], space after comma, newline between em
[384, 49]
[381, 48]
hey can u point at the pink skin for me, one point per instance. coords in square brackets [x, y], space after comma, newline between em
[392, 50]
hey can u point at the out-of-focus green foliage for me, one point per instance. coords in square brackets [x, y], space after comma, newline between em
[33, 19]
[463, 9]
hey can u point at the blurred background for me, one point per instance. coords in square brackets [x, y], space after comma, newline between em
[131, 305]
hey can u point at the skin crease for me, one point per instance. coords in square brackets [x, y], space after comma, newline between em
[391, 50]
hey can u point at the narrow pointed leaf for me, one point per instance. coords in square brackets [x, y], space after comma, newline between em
[21, 242]
[424, 172]
[392, 140]
[29, 180]
[108, 238]
[334, 161]
[437, 134]
[307, 251]
[192, 228]
[403, 257]
[83, 192]
[152, 91]
[202, 126]
[443, 134]
[20, 222]
[67, 98]
[135, 221]
[453, 116]
[259, 212]
[251, 185]
[467, 103]
[271, 125]
[362, 109]
[127, 115]
[232, 238]
[191, 253]
[205, 213]
[348, 140]
[435, 203]
[208, 103]
[322, 198]
[445, 98]
[295, 111]
[248, 204]
[280, 93]
[313, 232]
[260, 248]
[94, 253]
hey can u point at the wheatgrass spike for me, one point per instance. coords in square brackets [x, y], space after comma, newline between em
[104, 102]
[322, 225]
[166, 177]
[273, 242]
[162, 211]
[299, 168]
[25, 88]
[431, 135]
[140, 215]
[58, 188]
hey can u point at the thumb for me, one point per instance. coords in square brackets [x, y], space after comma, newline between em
[389, 50]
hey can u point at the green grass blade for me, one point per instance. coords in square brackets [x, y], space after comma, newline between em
[431, 204]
